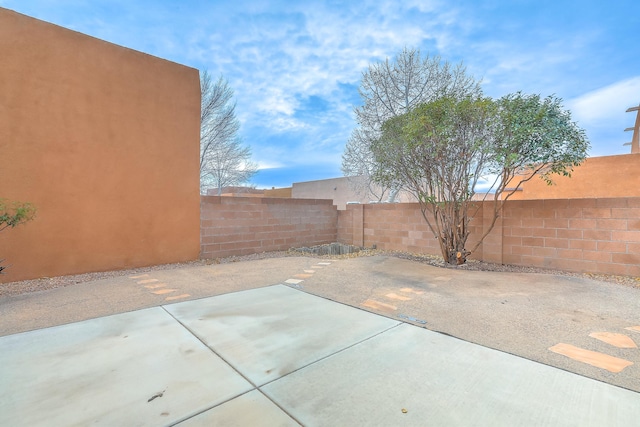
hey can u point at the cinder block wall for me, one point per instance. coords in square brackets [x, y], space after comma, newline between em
[345, 228]
[589, 235]
[104, 141]
[397, 226]
[246, 225]
[394, 226]
[583, 235]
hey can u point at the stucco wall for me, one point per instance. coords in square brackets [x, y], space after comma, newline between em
[597, 177]
[104, 141]
[341, 191]
[278, 192]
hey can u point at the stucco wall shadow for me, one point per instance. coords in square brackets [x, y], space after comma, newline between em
[104, 141]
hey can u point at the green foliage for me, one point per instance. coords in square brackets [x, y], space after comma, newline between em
[535, 136]
[437, 151]
[15, 213]
[441, 149]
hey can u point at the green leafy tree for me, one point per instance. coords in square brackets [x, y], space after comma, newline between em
[534, 137]
[13, 214]
[438, 152]
[442, 149]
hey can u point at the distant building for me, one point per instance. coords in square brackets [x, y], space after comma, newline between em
[238, 191]
[344, 190]
[597, 177]
[635, 138]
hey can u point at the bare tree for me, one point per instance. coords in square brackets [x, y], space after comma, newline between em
[223, 159]
[391, 88]
[358, 165]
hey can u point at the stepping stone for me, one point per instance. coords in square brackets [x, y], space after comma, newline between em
[163, 291]
[302, 276]
[633, 328]
[616, 340]
[377, 305]
[398, 297]
[593, 358]
[411, 291]
[177, 297]
[142, 282]
[139, 276]
[293, 281]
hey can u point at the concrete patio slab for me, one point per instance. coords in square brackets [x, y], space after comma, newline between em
[138, 368]
[305, 360]
[408, 376]
[251, 409]
[270, 332]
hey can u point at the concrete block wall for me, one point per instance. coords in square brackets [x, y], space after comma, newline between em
[582, 235]
[398, 226]
[246, 225]
[345, 226]
[394, 226]
[587, 235]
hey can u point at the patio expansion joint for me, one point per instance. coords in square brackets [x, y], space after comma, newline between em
[336, 352]
[195, 414]
[253, 385]
[210, 349]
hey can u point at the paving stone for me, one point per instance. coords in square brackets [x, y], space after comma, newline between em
[616, 340]
[593, 358]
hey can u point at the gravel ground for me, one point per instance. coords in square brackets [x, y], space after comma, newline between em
[26, 286]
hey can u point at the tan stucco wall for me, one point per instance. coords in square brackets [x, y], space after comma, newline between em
[596, 177]
[104, 141]
[278, 192]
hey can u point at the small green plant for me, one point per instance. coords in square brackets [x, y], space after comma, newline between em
[13, 214]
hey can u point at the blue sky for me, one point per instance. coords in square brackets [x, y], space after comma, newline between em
[296, 66]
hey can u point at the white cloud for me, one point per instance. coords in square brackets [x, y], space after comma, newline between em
[602, 113]
[269, 165]
[607, 104]
[294, 66]
[308, 51]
